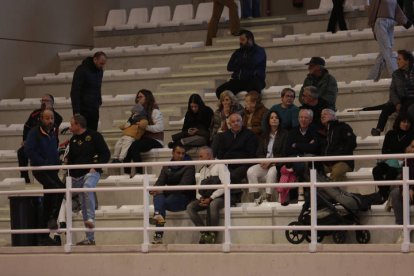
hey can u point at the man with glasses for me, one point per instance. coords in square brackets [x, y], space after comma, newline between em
[46, 102]
[287, 110]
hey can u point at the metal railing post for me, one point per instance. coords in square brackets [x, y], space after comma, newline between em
[405, 247]
[145, 242]
[314, 215]
[69, 216]
[227, 218]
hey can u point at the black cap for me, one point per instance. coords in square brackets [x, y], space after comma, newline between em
[316, 60]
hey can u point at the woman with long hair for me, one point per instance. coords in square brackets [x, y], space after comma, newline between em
[197, 122]
[272, 144]
[154, 132]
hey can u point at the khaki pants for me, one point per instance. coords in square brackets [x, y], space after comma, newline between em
[215, 18]
[338, 171]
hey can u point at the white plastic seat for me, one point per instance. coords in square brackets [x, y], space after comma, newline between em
[115, 18]
[325, 6]
[203, 14]
[181, 13]
[136, 16]
[158, 15]
[188, 45]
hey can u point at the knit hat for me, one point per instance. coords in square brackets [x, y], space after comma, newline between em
[138, 109]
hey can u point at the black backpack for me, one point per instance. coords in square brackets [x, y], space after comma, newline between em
[211, 180]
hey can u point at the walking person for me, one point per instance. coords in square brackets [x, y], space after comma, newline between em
[218, 6]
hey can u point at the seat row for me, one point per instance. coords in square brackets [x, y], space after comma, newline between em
[160, 17]
[325, 6]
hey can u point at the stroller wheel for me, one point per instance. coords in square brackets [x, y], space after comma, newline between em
[339, 236]
[319, 238]
[295, 236]
[363, 236]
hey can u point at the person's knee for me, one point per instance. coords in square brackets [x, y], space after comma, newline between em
[395, 195]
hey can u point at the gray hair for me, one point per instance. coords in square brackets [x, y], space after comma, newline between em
[227, 93]
[309, 111]
[330, 112]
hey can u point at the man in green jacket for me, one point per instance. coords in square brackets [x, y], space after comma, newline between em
[320, 78]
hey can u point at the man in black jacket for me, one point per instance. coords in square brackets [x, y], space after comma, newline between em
[41, 148]
[86, 88]
[312, 101]
[248, 64]
[173, 201]
[236, 143]
[47, 102]
[86, 147]
[339, 139]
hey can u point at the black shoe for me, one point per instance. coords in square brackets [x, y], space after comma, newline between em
[375, 132]
[47, 242]
[57, 240]
[114, 161]
[62, 225]
[52, 224]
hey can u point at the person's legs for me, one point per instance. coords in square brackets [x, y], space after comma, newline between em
[92, 117]
[234, 86]
[339, 170]
[253, 85]
[23, 162]
[213, 211]
[397, 204]
[340, 15]
[126, 143]
[141, 145]
[246, 8]
[90, 180]
[386, 111]
[192, 210]
[214, 21]
[233, 16]
[333, 19]
[256, 8]
[341, 197]
[117, 148]
[159, 204]
[271, 177]
[408, 9]
[384, 33]
[173, 202]
[254, 174]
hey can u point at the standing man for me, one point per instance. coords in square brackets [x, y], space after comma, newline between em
[86, 89]
[46, 102]
[42, 149]
[248, 64]
[86, 146]
[210, 200]
[173, 201]
[324, 82]
[218, 6]
[250, 9]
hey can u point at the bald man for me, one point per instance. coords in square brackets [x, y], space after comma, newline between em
[236, 143]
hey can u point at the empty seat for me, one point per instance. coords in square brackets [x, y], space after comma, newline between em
[136, 16]
[115, 18]
[203, 14]
[181, 13]
[158, 15]
[325, 6]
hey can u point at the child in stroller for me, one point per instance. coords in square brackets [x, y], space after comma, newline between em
[330, 200]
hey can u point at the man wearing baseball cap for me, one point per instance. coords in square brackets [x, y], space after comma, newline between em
[320, 78]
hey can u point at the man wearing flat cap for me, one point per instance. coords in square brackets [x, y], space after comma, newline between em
[320, 78]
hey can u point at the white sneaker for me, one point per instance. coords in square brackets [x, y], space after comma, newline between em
[400, 238]
[301, 197]
[259, 200]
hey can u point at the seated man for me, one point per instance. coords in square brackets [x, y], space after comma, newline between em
[173, 201]
[248, 64]
[324, 82]
[312, 101]
[236, 143]
[338, 139]
[287, 110]
[46, 102]
[210, 200]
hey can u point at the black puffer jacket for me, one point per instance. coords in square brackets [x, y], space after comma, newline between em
[86, 86]
[400, 85]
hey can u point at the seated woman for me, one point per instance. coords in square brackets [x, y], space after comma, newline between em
[228, 105]
[254, 112]
[197, 121]
[272, 145]
[154, 132]
[401, 92]
[396, 141]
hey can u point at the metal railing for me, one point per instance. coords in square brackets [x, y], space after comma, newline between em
[227, 228]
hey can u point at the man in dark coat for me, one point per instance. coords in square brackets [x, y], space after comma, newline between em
[42, 149]
[248, 64]
[86, 89]
[173, 201]
[47, 102]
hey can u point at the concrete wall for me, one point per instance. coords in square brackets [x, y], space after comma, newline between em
[33, 32]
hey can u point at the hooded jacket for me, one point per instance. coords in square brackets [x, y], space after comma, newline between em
[41, 147]
[86, 86]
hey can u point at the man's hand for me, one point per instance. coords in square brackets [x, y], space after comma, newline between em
[154, 193]
[411, 195]
[92, 170]
[192, 131]
[204, 202]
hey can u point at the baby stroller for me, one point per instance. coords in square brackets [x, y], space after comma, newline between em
[329, 213]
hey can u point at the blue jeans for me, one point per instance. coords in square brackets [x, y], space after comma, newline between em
[250, 8]
[173, 202]
[90, 180]
[384, 33]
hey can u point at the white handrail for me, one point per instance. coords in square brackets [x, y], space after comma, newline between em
[227, 228]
